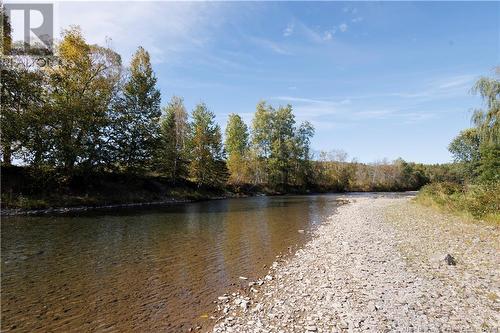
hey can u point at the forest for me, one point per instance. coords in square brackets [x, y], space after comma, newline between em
[90, 130]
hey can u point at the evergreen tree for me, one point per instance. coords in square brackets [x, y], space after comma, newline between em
[136, 132]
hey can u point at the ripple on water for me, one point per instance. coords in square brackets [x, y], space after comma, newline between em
[144, 269]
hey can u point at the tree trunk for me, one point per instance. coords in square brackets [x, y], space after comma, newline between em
[7, 155]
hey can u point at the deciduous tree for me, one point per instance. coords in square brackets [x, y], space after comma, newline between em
[206, 150]
[237, 149]
[174, 135]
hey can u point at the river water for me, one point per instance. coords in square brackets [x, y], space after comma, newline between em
[150, 269]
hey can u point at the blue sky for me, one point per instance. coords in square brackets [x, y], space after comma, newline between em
[376, 79]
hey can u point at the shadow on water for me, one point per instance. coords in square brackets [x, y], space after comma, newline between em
[143, 269]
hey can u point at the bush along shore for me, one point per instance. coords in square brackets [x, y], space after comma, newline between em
[380, 264]
[476, 201]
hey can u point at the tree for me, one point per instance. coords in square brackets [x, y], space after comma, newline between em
[237, 149]
[465, 150]
[10, 91]
[282, 141]
[136, 132]
[261, 129]
[6, 33]
[174, 135]
[301, 157]
[465, 147]
[80, 89]
[261, 142]
[23, 99]
[489, 164]
[206, 151]
[488, 127]
[488, 121]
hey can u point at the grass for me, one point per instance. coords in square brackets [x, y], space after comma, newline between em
[478, 201]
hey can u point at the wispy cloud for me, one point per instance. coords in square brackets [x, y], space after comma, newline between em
[177, 27]
[318, 35]
[353, 10]
[288, 30]
[270, 45]
[406, 107]
[437, 88]
[456, 81]
[328, 34]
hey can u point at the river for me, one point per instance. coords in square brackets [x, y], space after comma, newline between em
[147, 269]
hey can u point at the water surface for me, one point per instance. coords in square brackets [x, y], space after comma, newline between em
[144, 269]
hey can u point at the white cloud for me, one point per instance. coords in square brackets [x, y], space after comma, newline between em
[406, 107]
[165, 29]
[357, 19]
[327, 35]
[455, 81]
[343, 27]
[288, 30]
[270, 45]
[350, 10]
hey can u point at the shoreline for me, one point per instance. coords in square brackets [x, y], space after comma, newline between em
[12, 212]
[363, 271]
[8, 212]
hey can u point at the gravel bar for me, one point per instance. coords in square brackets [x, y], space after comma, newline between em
[380, 264]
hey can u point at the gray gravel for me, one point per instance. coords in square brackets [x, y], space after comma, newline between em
[378, 265]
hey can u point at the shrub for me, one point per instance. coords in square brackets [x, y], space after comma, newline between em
[481, 201]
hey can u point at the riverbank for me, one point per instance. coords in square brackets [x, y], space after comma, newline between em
[378, 265]
[29, 191]
[35, 192]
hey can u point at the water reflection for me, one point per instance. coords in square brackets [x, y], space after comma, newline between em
[143, 269]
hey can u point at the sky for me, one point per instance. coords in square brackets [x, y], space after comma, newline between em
[376, 79]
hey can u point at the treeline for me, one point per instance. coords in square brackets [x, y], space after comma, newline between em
[333, 172]
[476, 152]
[89, 113]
